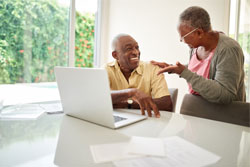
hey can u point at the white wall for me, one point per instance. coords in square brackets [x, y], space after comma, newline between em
[153, 24]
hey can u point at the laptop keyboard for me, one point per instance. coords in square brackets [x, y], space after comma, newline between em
[118, 118]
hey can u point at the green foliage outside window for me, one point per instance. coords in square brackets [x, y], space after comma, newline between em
[84, 43]
[34, 39]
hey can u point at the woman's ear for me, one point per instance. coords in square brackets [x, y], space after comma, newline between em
[200, 32]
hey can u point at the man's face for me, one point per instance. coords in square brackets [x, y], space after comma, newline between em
[188, 35]
[127, 53]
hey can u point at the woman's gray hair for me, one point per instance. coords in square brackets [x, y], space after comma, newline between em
[196, 17]
[116, 39]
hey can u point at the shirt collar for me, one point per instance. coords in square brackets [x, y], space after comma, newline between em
[139, 69]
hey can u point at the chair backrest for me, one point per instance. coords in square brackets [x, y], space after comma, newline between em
[237, 112]
[173, 94]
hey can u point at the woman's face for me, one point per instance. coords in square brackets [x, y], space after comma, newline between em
[189, 35]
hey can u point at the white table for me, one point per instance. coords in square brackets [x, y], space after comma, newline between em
[38, 142]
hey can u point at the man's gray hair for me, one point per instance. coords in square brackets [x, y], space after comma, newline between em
[116, 39]
[196, 17]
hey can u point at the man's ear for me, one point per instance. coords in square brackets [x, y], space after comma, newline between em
[114, 54]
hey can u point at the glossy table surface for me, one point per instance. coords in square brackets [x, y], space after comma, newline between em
[60, 140]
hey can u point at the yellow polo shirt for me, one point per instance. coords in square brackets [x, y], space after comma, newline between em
[144, 78]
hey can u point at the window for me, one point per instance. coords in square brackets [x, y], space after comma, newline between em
[34, 38]
[240, 30]
[84, 32]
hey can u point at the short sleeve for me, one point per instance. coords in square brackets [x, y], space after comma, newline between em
[159, 87]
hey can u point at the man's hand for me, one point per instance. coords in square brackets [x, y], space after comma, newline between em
[177, 69]
[160, 64]
[145, 102]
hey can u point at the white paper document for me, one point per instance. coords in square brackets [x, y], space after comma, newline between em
[146, 146]
[179, 153]
[134, 148]
[52, 108]
[111, 152]
[21, 112]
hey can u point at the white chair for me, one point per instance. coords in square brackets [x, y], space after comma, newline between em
[173, 94]
[237, 112]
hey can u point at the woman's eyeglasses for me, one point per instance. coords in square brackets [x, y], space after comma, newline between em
[182, 38]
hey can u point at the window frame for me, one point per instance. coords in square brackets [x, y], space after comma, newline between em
[71, 52]
[236, 37]
[72, 34]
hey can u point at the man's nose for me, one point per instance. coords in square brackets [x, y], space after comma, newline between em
[135, 51]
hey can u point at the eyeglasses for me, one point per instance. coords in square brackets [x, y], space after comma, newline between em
[182, 38]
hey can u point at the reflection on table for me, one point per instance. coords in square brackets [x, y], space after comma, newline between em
[29, 142]
[60, 140]
[222, 139]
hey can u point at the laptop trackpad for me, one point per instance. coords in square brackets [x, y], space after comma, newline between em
[119, 118]
[127, 116]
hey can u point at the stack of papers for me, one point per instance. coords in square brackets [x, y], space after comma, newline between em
[52, 108]
[148, 152]
[22, 112]
[136, 147]
[146, 146]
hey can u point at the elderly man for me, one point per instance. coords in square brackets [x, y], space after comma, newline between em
[134, 83]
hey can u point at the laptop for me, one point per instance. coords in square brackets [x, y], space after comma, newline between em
[85, 94]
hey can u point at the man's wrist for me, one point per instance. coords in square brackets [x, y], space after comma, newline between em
[130, 102]
[132, 92]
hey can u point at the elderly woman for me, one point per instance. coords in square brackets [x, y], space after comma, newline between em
[215, 70]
